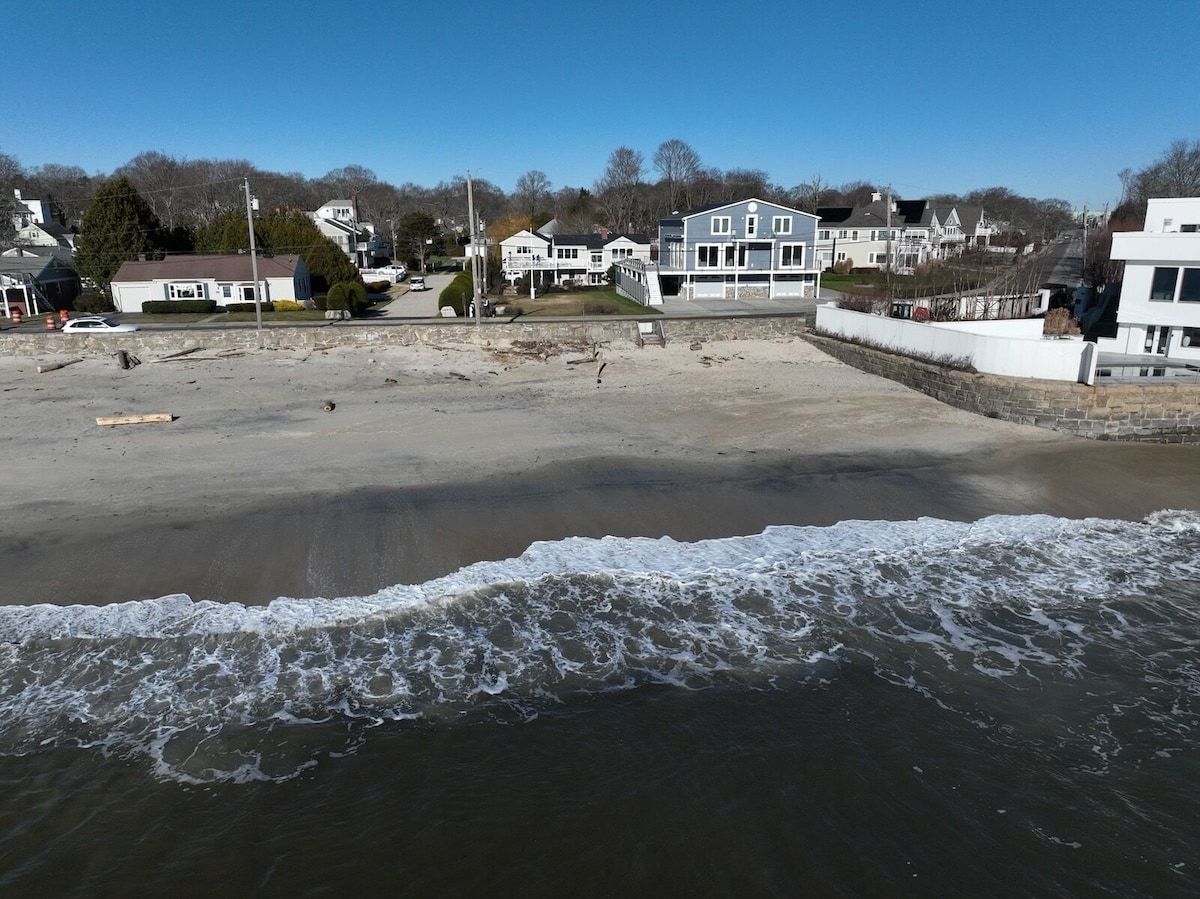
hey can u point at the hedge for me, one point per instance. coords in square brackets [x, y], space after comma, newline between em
[249, 307]
[180, 307]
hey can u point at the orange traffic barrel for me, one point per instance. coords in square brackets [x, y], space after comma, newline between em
[49, 322]
[62, 316]
[16, 316]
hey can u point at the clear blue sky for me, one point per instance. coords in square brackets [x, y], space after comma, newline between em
[1051, 98]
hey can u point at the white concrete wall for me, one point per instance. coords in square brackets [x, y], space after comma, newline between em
[991, 352]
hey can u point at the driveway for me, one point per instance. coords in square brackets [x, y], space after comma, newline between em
[415, 304]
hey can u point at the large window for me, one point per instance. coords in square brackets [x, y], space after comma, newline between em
[185, 291]
[741, 256]
[708, 256]
[1163, 285]
[721, 224]
[1189, 286]
[792, 255]
[782, 224]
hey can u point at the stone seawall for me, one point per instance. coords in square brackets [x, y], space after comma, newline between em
[1159, 413]
[152, 341]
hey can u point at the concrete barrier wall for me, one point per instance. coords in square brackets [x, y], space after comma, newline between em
[998, 354]
[1163, 413]
[150, 341]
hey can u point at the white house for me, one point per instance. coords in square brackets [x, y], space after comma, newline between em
[1159, 311]
[338, 220]
[225, 279]
[913, 230]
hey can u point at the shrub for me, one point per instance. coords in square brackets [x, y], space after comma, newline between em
[249, 307]
[287, 306]
[179, 307]
[378, 286]
[337, 298]
[1059, 322]
[356, 298]
[860, 303]
[843, 266]
[457, 294]
[92, 304]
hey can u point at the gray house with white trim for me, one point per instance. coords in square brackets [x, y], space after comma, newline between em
[741, 250]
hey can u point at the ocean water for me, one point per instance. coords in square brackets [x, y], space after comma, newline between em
[1008, 707]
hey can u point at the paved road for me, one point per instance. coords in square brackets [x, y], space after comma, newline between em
[1064, 260]
[416, 304]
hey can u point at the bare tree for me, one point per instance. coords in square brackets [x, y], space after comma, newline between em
[617, 189]
[159, 179]
[808, 195]
[66, 188]
[679, 166]
[532, 194]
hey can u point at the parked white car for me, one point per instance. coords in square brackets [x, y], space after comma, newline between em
[97, 324]
[418, 284]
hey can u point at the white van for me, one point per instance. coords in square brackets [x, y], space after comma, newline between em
[417, 284]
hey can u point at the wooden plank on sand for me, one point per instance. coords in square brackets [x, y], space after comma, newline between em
[54, 366]
[134, 419]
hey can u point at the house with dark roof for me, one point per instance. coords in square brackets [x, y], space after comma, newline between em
[746, 249]
[580, 259]
[225, 279]
[913, 231]
[37, 279]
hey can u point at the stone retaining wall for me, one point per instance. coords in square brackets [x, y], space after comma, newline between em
[1159, 413]
[152, 341]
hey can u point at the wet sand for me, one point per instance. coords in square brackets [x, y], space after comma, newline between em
[436, 457]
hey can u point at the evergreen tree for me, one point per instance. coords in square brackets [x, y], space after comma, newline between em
[117, 227]
[280, 233]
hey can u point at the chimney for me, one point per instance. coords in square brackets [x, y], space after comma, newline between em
[876, 196]
[604, 233]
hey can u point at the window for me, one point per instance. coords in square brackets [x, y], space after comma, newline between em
[782, 224]
[751, 225]
[568, 252]
[878, 258]
[185, 291]
[1163, 285]
[227, 291]
[1191, 338]
[823, 235]
[1189, 286]
[598, 258]
[1188, 229]
[842, 235]
[708, 256]
[721, 224]
[792, 255]
[741, 256]
[521, 250]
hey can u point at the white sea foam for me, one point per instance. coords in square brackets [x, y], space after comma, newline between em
[221, 691]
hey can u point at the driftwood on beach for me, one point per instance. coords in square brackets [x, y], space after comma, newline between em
[54, 366]
[134, 419]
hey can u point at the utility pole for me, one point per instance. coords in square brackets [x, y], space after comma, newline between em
[474, 234]
[887, 259]
[254, 262]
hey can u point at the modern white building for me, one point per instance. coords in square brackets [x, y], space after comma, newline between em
[1159, 311]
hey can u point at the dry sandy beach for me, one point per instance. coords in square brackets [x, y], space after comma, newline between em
[435, 457]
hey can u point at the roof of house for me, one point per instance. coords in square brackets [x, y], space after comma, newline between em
[874, 215]
[39, 265]
[596, 241]
[219, 268]
[676, 218]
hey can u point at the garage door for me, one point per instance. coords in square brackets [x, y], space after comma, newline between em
[709, 288]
